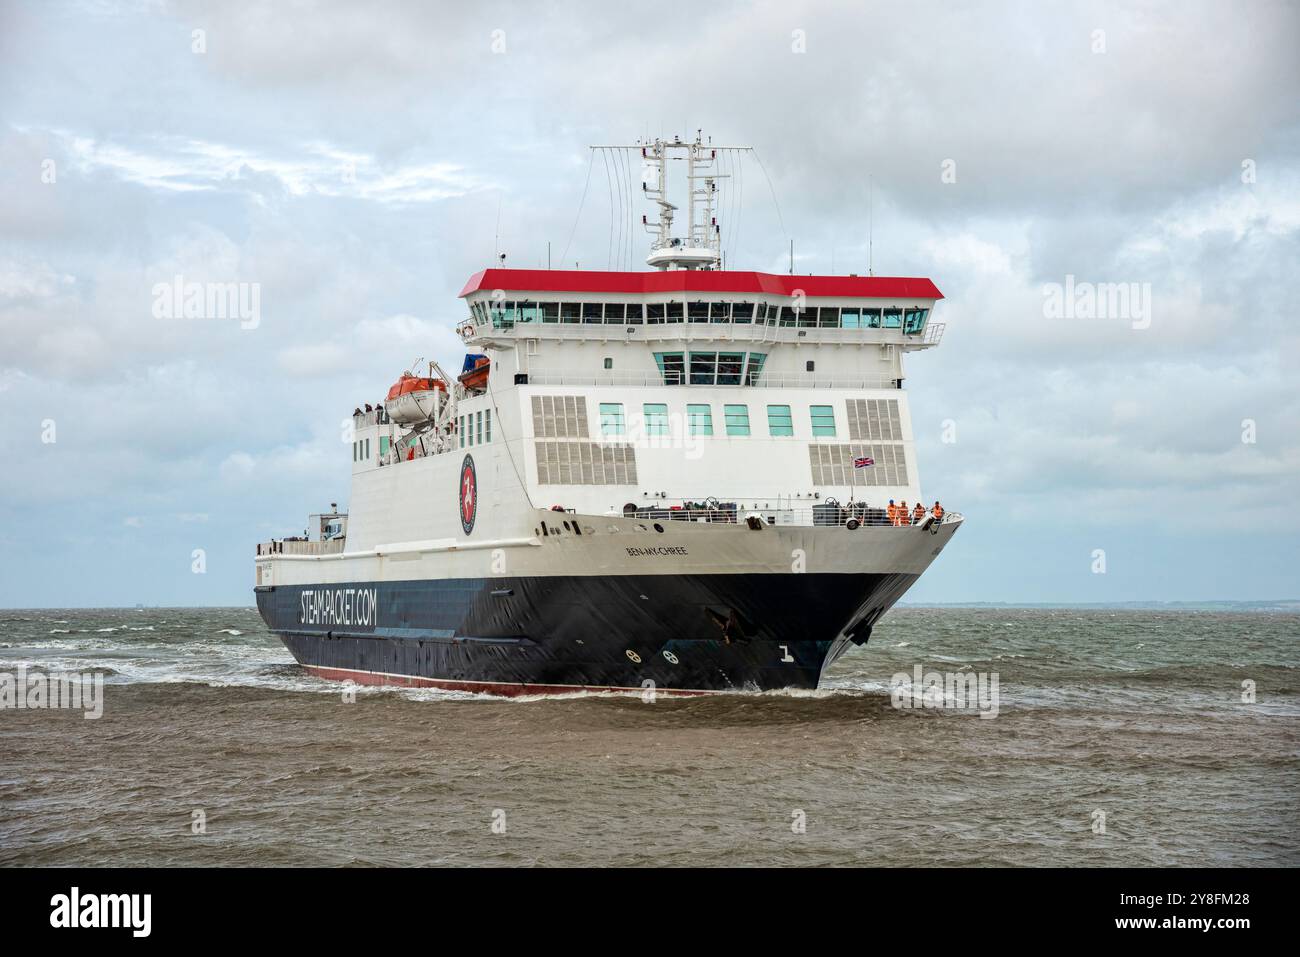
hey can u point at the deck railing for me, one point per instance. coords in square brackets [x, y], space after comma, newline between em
[295, 546]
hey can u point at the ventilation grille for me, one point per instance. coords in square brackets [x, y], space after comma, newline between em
[833, 464]
[874, 420]
[560, 417]
[585, 463]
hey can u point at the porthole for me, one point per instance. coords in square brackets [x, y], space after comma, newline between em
[659, 528]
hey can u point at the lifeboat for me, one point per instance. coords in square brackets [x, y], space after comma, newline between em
[415, 399]
[474, 376]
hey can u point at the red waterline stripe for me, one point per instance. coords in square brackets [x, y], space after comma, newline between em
[480, 687]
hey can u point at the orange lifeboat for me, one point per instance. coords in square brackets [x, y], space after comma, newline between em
[415, 399]
[475, 378]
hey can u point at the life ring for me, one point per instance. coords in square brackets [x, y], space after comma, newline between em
[852, 524]
[669, 657]
[633, 656]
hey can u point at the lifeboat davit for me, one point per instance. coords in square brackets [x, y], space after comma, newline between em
[475, 375]
[415, 399]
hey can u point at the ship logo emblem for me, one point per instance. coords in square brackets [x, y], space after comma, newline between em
[468, 494]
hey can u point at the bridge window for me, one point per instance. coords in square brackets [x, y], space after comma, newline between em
[829, 318]
[676, 311]
[850, 318]
[823, 420]
[893, 317]
[719, 312]
[914, 320]
[528, 312]
[871, 318]
[755, 367]
[787, 316]
[611, 418]
[614, 312]
[672, 367]
[742, 312]
[591, 312]
[634, 313]
[699, 419]
[730, 365]
[654, 313]
[656, 418]
[550, 312]
[698, 312]
[737, 419]
[778, 420]
[808, 317]
[704, 368]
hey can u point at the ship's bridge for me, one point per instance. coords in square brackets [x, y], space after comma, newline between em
[701, 327]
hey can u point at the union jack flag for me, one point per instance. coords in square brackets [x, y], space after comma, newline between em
[863, 461]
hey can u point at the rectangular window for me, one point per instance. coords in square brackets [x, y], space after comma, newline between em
[460, 430]
[729, 366]
[737, 419]
[654, 313]
[550, 312]
[570, 312]
[354, 451]
[778, 420]
[699, 419]
[383, 446]
[893, 317]
[478, 428]
[591, 312]
[704, 368]
[487, 425]
[634, 313]
[672, 367]
[720, 312]
[742, 313]
[698, 312]
[823, 420]
[755, 367]
[656, 418]
[829, 318]
[611, 418]
[850, 318]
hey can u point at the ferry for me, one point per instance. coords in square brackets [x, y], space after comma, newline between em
[688, 479]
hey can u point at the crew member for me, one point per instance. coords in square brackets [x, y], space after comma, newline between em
[900, 517]
[918, 513]
[891, 513]
[937, 511]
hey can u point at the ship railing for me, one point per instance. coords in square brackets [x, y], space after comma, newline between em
[827, 514]
[298, 546]
[803, 380]
[375, 417]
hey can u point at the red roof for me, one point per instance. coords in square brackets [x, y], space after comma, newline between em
[696, 280]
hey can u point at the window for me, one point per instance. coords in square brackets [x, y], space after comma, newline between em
[850, 318]
[704, 368]
[698, 312]
[671, 367]
[778, 420]
[893, 317]
[808, 317]
[720, 312]
[737, 419]
[914, 320]
[829, 318]
[654, 313]
[354, 451]
[528, 312]
[591, 312]
[383, 446]
[656, 418]
[487, 425]
[870, 318]
[810, 366]
[614, 312]
[366, 446]
[460, 430]
[634, 313]
[823, 420]
[699, 419]
[609, 362]
[742, 312]
[611, 418]
[478, 428]
[550, 312]
[729, 366]
[570, 312]
[755, 367]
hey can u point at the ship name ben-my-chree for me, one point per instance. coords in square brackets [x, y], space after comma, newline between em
[680, 477]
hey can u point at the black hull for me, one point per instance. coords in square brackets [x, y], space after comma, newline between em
[538, 634]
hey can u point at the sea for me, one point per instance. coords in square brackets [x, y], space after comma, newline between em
[1114, 737]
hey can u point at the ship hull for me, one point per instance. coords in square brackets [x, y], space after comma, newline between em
[551, 634]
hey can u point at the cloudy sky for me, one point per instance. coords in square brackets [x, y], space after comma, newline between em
[359, 161]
